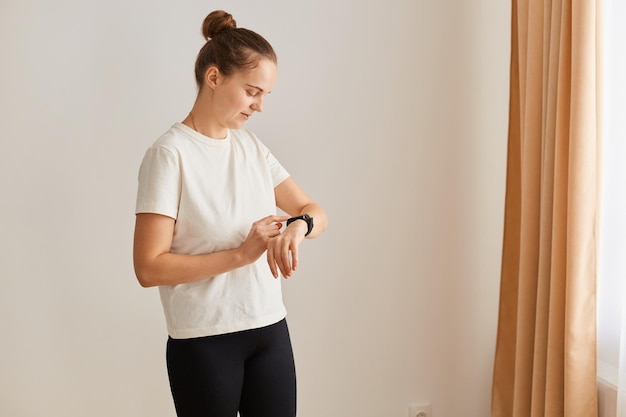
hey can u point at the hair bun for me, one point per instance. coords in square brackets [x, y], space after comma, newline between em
[216, 22]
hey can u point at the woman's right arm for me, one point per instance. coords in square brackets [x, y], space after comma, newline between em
[155, 265]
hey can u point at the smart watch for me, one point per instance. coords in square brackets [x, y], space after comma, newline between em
[308, 219]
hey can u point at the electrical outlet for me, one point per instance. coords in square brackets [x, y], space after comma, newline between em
[420, 410]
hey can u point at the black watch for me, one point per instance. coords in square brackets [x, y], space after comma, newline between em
[308, 219]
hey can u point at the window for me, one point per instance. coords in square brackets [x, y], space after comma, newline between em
[612, 259]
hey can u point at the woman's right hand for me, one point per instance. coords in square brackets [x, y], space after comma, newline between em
[260, 233]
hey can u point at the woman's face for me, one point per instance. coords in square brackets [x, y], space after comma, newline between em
[238, 96]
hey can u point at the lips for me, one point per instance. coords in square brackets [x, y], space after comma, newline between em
[245, 116]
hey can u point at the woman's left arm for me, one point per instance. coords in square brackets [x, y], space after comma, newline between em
[282, 250]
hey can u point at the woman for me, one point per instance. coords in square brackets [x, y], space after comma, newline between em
[206, 213]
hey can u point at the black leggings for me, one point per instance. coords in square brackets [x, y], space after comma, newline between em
[251, 372]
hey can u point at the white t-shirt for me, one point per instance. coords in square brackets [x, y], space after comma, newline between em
[215, 189]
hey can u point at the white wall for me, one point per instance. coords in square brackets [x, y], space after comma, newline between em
[393, 115]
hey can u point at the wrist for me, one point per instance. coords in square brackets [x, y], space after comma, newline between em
[299, 227]
[302, 220]
[241, 257]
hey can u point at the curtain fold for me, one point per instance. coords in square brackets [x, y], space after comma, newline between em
[545, 363]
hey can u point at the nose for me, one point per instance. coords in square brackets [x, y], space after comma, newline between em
[257, 105]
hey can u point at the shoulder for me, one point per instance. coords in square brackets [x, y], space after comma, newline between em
[170, 139]
[173, 143]
[164, 151]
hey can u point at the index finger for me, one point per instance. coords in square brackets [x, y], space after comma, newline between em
[274, 219]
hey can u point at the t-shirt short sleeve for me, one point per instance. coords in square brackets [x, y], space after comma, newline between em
[159, 183]
[278, 172]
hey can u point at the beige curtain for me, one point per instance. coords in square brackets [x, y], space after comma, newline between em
[545, 363]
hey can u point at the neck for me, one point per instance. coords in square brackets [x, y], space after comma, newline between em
[199, 119]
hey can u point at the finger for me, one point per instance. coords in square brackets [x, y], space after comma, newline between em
[273, 219]
[285, 262]
[274, 229]
[271, 261]
[294, 257]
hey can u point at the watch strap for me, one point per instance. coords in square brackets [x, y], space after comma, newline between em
[308, 219]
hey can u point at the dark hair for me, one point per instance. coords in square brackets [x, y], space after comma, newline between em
[228, 47]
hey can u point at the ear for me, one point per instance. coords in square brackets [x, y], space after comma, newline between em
[212, 77]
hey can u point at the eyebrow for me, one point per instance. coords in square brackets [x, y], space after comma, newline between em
[258, 88]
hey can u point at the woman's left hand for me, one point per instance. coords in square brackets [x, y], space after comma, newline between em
[282, 250]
